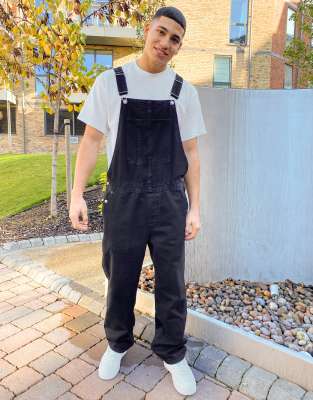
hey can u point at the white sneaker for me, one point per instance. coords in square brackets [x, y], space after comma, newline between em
[110, 364]
[182, 377]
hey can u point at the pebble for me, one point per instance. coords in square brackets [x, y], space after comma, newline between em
[273, 306]
[260, 301]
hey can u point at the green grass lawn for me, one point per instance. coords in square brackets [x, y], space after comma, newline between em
[25, 179]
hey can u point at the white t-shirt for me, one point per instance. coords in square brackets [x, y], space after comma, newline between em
[101, 108]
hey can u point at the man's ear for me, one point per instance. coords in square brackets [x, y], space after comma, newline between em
[146, 29]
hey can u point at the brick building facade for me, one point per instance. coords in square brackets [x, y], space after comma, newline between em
[230, 43]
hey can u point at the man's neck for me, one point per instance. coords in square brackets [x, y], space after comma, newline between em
[144, 63]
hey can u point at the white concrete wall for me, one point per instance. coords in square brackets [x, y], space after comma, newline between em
[256, 187]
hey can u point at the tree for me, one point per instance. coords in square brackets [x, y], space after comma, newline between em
[300, 50]
[48, 34]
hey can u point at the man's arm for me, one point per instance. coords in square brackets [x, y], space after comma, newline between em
[86, 158]
[192, 180]
[85, 163]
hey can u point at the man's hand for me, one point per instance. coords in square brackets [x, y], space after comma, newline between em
[78, 209]
[192, 224]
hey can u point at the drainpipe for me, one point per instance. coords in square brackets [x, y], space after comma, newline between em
[250, 40]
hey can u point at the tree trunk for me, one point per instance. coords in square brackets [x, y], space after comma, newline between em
[53, 205]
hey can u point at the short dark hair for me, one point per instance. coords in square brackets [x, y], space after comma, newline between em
[173, 13]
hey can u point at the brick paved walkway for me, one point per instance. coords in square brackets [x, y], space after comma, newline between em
[50, 349]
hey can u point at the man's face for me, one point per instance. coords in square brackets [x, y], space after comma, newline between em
[163, 39]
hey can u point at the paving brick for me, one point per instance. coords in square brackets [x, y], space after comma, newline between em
[75, 311]
[256, 383]
[5, 307]
[83, 322]
[194, 347]
[206, 389]
[74, 296]
[57, 306]
[48, 241]
[5, 368]
[308, 396]
[197, 374]
[72, 238]
[7, 285]
[35, 304]
[284, 390]
[99, 386]
[76, 345]
[29, 352]
[97, 307]
[52, 322]
[13, 314]
[36, 242]
[96, 330]
[49, 363]
[22, 299]
[209, 360]
[18, 340]
[231, 371]
[134, 356]
[42, 290]
[68, 396]
[6, 295]
[60, 239]
[35, 284]
[22, 279]
[75, 371]
[238, 396]
[2, 354]
[31, 319]
[8, 330]
[148, 333]
[50, 388]
[21, 380]
[164, 390]
[5, 394]
[126, 391]
[21, 288]
[59, 335]
[94, 354]
[7, 276]
[147, 374]
[140, 324]
[49, 298]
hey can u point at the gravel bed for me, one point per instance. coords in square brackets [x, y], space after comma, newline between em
[281, 312]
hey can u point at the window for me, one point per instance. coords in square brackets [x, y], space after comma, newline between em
[288, 77]
[104, 58]
[290, 29]
[222, 71]
[77, 126]
[239, 21]
[4, 118]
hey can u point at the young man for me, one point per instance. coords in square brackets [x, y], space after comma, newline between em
[152, 119]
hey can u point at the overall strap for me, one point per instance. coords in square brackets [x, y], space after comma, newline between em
[121, 81]
[177, 85]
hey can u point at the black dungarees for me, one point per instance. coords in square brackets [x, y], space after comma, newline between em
[145, 204]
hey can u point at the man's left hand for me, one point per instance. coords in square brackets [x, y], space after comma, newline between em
[192, 224]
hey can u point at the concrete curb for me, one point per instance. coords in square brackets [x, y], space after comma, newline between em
[264, 354]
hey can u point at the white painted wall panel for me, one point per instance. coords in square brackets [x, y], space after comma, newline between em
[256, 187]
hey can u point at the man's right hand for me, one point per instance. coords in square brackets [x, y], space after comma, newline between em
[78, 212]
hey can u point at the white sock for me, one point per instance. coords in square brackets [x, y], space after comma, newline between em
[110, 363]
[182, 376]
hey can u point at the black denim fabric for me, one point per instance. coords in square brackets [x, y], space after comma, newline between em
[145, 204]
